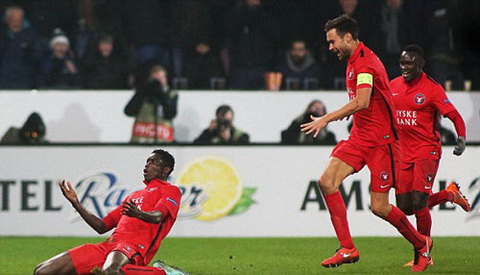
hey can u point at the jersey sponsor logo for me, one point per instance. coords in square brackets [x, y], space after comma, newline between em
[419, 99]
[384, 176]
[172, 201]
[406, 117]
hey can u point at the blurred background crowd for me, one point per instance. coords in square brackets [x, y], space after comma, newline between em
[225, 44]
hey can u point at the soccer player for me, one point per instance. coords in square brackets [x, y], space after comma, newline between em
[371, 142]
[419, 100]
[142, 222]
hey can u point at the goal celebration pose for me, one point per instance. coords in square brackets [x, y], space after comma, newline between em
[372, 142]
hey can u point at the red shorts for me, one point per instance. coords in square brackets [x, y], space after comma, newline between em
[418, 176]
[88, 256]
[381, 161]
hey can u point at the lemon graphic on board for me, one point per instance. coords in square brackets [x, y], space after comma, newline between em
[219, 180]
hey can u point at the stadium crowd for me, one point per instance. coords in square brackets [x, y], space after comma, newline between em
[225, 44]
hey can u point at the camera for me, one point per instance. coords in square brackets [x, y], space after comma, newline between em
[223, 123]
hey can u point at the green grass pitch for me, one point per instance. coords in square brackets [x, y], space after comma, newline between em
[378, 255]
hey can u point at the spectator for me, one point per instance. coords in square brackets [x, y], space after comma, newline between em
[32, 132]
[366, 13]
[222, 131]
[154, 106]
[393, 27]
[103, 69]
[145, 26]
[191, 24]
[59, 70]
[442, 36]
[20, 51]
[293, 135]
[252, 34]
[203, 66]
[470, 34]
[299, 67]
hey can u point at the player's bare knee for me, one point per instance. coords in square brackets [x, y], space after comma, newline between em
[326, 184]
[379, 210]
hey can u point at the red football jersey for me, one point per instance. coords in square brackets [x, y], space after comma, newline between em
[156, 196]
[418, 106]
[375, 125]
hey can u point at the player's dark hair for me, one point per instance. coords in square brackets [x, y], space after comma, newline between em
[167, 159]
[415, 49]
[223, 109]
[343, 24]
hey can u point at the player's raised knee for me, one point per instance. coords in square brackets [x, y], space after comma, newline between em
[326, 184]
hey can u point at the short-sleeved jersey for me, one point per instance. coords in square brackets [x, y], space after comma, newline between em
[374, 125]
[418, 105]
[156, 196]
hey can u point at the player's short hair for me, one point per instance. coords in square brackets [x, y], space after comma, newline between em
[415, 49]
[223, 109]
[167, 159]
[343, 24]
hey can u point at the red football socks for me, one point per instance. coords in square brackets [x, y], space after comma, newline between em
[130, 269]
[424, 221]
[398, 219]
[338, 215]
[439, 197]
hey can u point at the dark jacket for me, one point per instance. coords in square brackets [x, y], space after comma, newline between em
[212, 137]
[252, 34]
[104, 72]
[293, 135]
[55, 74]
[202, 68]
[20, 55]
[308, 69]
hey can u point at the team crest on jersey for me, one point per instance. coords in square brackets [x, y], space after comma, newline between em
[384, 175]
[419, 99]
[350, 74]
[429, 178]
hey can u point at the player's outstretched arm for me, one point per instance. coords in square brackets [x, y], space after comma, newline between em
[360, 102]
[130, 209]
[96, 223]
[461, 130]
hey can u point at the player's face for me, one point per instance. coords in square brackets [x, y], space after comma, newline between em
[410, 65]
[338, 45]
[154, 168]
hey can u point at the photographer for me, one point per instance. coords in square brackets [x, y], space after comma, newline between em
[222, 131]
[293, 135]
[154, 106]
